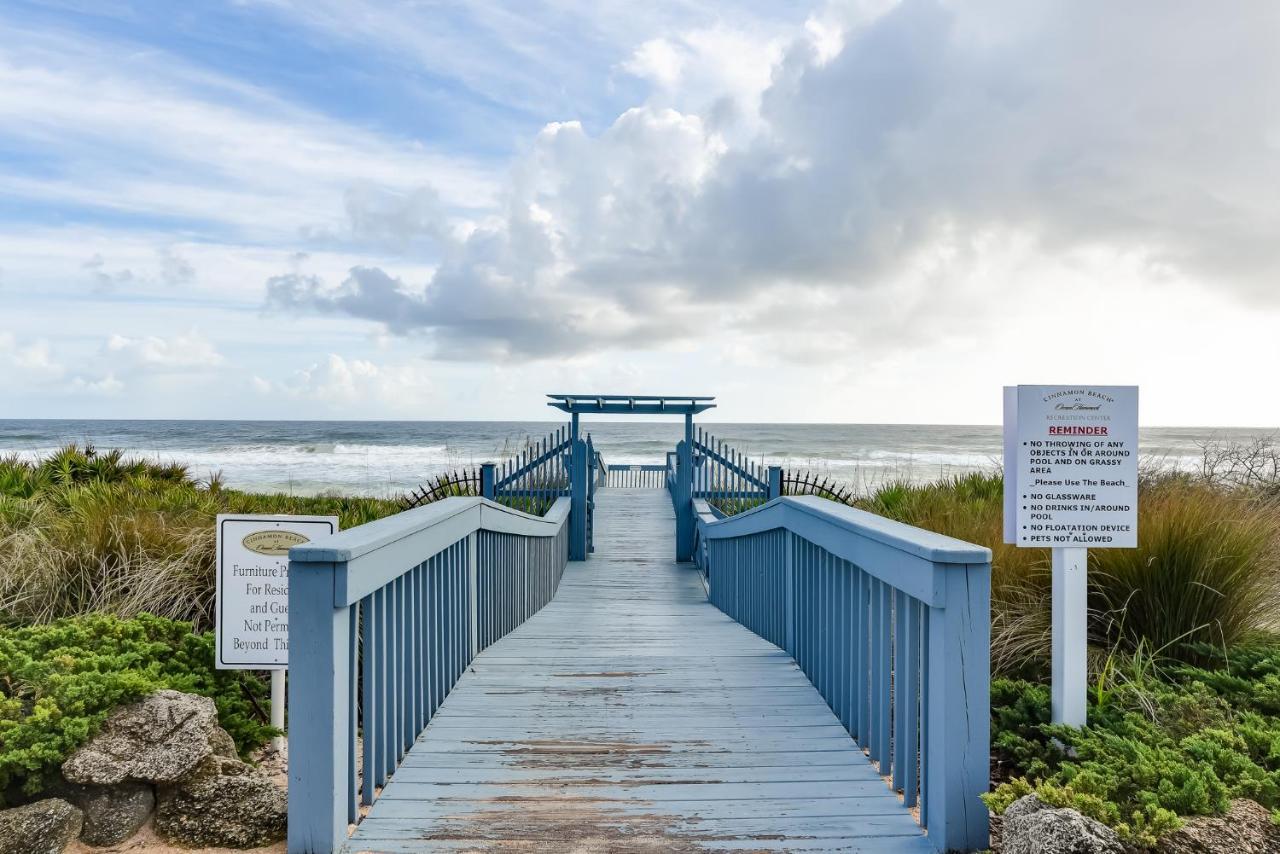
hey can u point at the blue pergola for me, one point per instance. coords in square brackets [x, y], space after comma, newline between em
[687, 405]
[631, 404]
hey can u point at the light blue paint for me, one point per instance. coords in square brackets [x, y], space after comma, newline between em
[925, 654]
[396, 582]
[889, 623]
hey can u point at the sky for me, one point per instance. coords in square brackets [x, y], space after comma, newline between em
[863, 211]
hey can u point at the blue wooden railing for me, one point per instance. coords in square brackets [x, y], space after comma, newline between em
[724, 476]
[534, 478]
[560, 465]
[890, 623]
[637, 476]
[388, 615]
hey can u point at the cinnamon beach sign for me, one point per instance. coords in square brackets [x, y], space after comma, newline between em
[1070, 484]
[1075, 460]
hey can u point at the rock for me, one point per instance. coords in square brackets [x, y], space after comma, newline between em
[44, 827]
[226, 804]
[222, 744]
[1030, 826]
[1245, 829]
[111, 813]
[162, 738]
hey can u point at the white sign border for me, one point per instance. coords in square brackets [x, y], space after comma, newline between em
[278, 519]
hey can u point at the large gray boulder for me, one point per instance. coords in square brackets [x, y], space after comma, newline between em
[44, 827]
[1245, 829]
[1030, 826]
[162, 738]
[112, 814]
[226, 804]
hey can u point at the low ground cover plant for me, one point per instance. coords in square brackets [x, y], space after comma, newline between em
[59, 682]
[1161, 744]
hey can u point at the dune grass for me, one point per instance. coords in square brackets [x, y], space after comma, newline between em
[1206, 569]
[86, 532]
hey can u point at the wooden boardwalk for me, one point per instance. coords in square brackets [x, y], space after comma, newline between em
[630, 715]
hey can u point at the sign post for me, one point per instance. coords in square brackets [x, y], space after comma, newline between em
[1071, 484]
[252, 610]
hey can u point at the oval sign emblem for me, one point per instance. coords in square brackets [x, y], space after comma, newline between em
[273, 543]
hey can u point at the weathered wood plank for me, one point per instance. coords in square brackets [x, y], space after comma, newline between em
[631, 715]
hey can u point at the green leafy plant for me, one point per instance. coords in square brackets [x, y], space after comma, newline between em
[1160, 742]
[59, 682]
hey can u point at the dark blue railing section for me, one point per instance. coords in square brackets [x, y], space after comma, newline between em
[391, 614]
[725, 477]
[533, 479]
[892, 626]
[561, 465]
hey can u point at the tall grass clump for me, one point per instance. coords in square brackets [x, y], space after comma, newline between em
[84, 532]
[1204, 572]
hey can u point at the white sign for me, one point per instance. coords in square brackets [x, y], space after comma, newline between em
[1075, 452]
[253, 586]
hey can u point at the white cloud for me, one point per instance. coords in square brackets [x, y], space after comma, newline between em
[154, 354]
[106, 385]
[901, 154]
[219, 151]
[341, 383]
[28, 361]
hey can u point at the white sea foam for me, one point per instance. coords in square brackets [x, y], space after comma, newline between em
[386, 459]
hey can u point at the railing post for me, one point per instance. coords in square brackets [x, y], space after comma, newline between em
[958, 725]
[591, 494]
[579, 476]
[789, 588]
[683, 500]
[320, 684]
[488, 481]
[775, 483]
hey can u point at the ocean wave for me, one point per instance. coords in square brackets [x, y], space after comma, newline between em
[389, 458]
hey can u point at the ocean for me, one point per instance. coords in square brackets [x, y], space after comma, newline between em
[386, 458]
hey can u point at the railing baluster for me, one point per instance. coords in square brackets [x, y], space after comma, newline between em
[353, 711]
[861, 650]
[911, 708]
[385, 696]
[430, 676]
[882, 690]
[898, 702]
[369, 712]
[407, 731]
[873, 720]
[925, 713]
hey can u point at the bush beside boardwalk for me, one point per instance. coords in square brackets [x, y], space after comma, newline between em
[1185, 697]
[1184, 706]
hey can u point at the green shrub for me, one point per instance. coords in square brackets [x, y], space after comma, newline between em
[1159, 743]
[58, 682]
